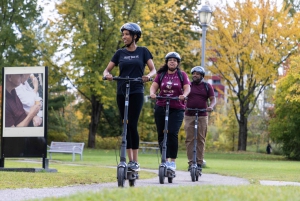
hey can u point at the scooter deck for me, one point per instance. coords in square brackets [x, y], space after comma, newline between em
[170, 173]
[132, 175]
[130, 170]
[170, 169]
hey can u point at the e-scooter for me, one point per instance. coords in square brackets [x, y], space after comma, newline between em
[163, 170]
[194, 170]
[123, 172]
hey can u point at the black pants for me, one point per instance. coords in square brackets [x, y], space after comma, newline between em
[134, 109]
[174, 123]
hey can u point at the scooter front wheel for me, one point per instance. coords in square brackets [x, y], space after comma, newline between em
[121, 176]
[193, 173]
[161, 175]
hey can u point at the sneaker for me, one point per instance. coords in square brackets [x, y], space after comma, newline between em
[168, 164]
[135, 166]
[130, 163]
[172, 165]
[189, 168]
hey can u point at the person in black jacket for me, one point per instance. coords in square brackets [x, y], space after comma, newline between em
[269, 149]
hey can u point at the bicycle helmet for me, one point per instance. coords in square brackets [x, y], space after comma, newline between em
[133, 28]
[198, 69]
[173, 55]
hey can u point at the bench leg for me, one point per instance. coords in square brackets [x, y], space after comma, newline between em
[81, 157]
[73, 157]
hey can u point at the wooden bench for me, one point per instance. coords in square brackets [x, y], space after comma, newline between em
[66, 147]
[149, 146]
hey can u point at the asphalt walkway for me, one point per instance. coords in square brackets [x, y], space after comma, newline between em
[182, 179]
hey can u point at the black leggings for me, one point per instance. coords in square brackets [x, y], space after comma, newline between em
[134, 109]
[174, 124]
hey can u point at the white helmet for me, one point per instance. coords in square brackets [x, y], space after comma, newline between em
[198, 69]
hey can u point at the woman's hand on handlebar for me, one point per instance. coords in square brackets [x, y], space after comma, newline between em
[109, 77]
[182, 97]
[153, 96]
[146, 78]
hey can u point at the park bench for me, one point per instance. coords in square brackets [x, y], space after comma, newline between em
[148, 147]
[66, 147]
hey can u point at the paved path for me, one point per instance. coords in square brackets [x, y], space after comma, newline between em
[182, 179]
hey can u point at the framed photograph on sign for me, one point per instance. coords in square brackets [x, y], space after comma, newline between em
[23, 112]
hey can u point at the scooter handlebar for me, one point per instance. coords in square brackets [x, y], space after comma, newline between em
[167, 97]
[138, 79]
[196, 109]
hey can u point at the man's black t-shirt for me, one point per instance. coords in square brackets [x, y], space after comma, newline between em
[131, 64]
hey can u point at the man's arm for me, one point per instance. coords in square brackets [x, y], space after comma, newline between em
[212, 103]
[32, 113]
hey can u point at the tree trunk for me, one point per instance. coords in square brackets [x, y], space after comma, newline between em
[95, 117]
[243, 130]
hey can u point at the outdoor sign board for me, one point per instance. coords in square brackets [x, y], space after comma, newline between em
[24, 112]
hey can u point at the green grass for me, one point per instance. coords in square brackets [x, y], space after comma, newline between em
[96, 168]
[195, 193]
[253, 166]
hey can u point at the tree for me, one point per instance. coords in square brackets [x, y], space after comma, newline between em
[18, 22]
[167, 26]
[285, 124]
[87, 33]
[248, 42]
[292, 5]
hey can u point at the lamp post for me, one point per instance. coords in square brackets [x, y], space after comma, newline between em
[205, 17]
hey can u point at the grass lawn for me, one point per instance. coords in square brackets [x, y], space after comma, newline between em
[195, 193]
[95, 169]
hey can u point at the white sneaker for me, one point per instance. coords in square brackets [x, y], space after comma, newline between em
[135, 166]
[130, 164]
[172, 165]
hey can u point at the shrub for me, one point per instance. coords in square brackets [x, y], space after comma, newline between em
[57, 137]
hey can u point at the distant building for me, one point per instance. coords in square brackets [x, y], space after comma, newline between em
[216, 82]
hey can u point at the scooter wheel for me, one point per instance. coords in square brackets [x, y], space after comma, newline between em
[193, 174]
[170, 179]
[121, 176]
[132, 183]
[161, 175]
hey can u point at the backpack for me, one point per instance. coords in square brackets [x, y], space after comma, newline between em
[162, 75]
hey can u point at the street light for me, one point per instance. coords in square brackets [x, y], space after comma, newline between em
[205, 17]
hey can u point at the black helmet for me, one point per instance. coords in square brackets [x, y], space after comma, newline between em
[132, 27]
[173, 55]
[198, 69]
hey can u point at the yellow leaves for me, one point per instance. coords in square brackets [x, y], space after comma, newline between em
[292, 80]
[253, 35]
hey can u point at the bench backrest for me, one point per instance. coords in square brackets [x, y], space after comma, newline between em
[67, 146]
